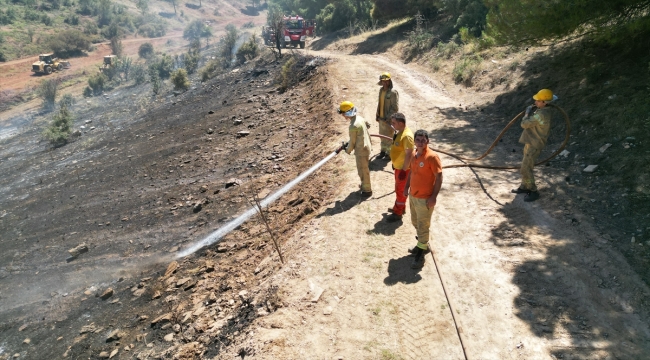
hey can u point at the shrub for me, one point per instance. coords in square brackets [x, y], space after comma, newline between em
[139, 74]
[163, 66]
[146, 50]
[248, 25]
[60, 127]
[90, 28]
[47, 92]
[249, 50]
[287, 73]
[447, 50]
[228, 43]
[88, 92]
[3, 58]
[46, 20]
[180, 81]
[97, 83]
[67, 100]
[435, 64]
[69, 43]
[116, 46]
[465, 69]
[191, 62]
[155, 80]
[213, 68]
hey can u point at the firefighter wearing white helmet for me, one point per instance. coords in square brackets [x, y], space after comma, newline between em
[536, 125]
[388, 105]
[359, 143]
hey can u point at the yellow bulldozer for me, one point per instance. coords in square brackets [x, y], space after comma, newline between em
[47, 63]
[110, 61]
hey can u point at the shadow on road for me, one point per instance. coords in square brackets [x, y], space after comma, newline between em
[384, 227]
[341, 206]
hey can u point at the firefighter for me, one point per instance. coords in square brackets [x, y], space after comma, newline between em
[537, 126]
[401, 151]
[424, 181]
[388, 104]
[359, 143]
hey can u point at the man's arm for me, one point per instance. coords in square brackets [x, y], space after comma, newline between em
[530, 121]
[353, 140]
[431, 201]
[408, 154]
[408, 185]
[395, 108]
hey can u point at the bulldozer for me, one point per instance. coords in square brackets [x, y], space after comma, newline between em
[110, 61]
[47, 63]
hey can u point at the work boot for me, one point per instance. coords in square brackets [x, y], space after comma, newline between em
[393, 218]
[532, 196]
[366, 194]
[414, 251]
[519, 190]
[418, 262]
[382, 155]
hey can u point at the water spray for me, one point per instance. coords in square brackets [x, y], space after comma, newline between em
[215, 236]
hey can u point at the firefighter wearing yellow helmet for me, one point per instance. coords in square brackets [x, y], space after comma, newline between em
[536, 125]
[359, 143]
[388, 105]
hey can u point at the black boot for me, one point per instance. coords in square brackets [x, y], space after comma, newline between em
[418, 263]
[414, 250]
[519, 190]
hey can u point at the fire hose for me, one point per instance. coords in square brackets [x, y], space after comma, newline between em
[464, 159]
[496, 141]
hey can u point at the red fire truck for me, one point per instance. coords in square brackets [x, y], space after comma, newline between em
[296, 30]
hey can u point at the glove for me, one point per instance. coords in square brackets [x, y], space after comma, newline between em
[401, 175]
[528, 110]
[344, 144]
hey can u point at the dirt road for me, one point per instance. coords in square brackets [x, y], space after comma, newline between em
[524, 280]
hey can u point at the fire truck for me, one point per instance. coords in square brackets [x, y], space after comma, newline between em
[296, 30]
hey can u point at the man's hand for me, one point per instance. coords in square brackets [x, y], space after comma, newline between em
[529, 109]
[377, 118]
[406, 192]
[401, 175]
[344, 145]
[431, 203]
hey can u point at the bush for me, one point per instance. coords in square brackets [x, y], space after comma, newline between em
[191, 62]
[67, 100]
[88, 92]
[47, 92]
[447, 50]
[90, 28]
[163, 66]
[210, 70]
[466, 68]
[60, 127]
[116, 46]
[155, 80]
[139, 74]
[97, 83]
[69, 43]
[248, 25]
[145, 51]
[72, 19]
[249, 50]
[287, 73]
[180, 81]
[3, 58]
[228, 43]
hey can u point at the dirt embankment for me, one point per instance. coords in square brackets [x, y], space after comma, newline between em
[143, 181]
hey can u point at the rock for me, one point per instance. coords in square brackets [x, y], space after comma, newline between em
[197, 207]
[22, 327]
[210, 131]
[106, 294]
[139, 292]
[165, 318]
[237, 122]
[113, 353]
[169, 337]
[156, 295]
[243, 133]
[181, 282]
[210, 112]
[88, 121]
[327, 310]
[590, 168]
[317, 291]
[630, 139]
[257, 270]
[78, 250]
[243, 295]
[27, 341]
[232, 182]
[604, 148]
[171, 268]
[104, 355]
[263, 193]
[262, 312]
[633, 240]
[115, 335]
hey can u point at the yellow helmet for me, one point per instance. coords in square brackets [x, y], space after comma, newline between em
[543, 95]
[384, 76]
[347, 108]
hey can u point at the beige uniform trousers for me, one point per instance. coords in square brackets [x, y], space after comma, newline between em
[364, 172]
[421, 220]
[530, 157]
[386, 130]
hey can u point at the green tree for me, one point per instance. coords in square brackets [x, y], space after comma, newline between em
[520, 22]
[116, 46]
[60, 127]
[145, 51]
[249, 50]
[194, 30]
[228, 43]
[142, 5]
[47, 91]
[276, 23]
[180, 81]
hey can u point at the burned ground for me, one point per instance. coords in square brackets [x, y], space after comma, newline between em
[142, 181]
